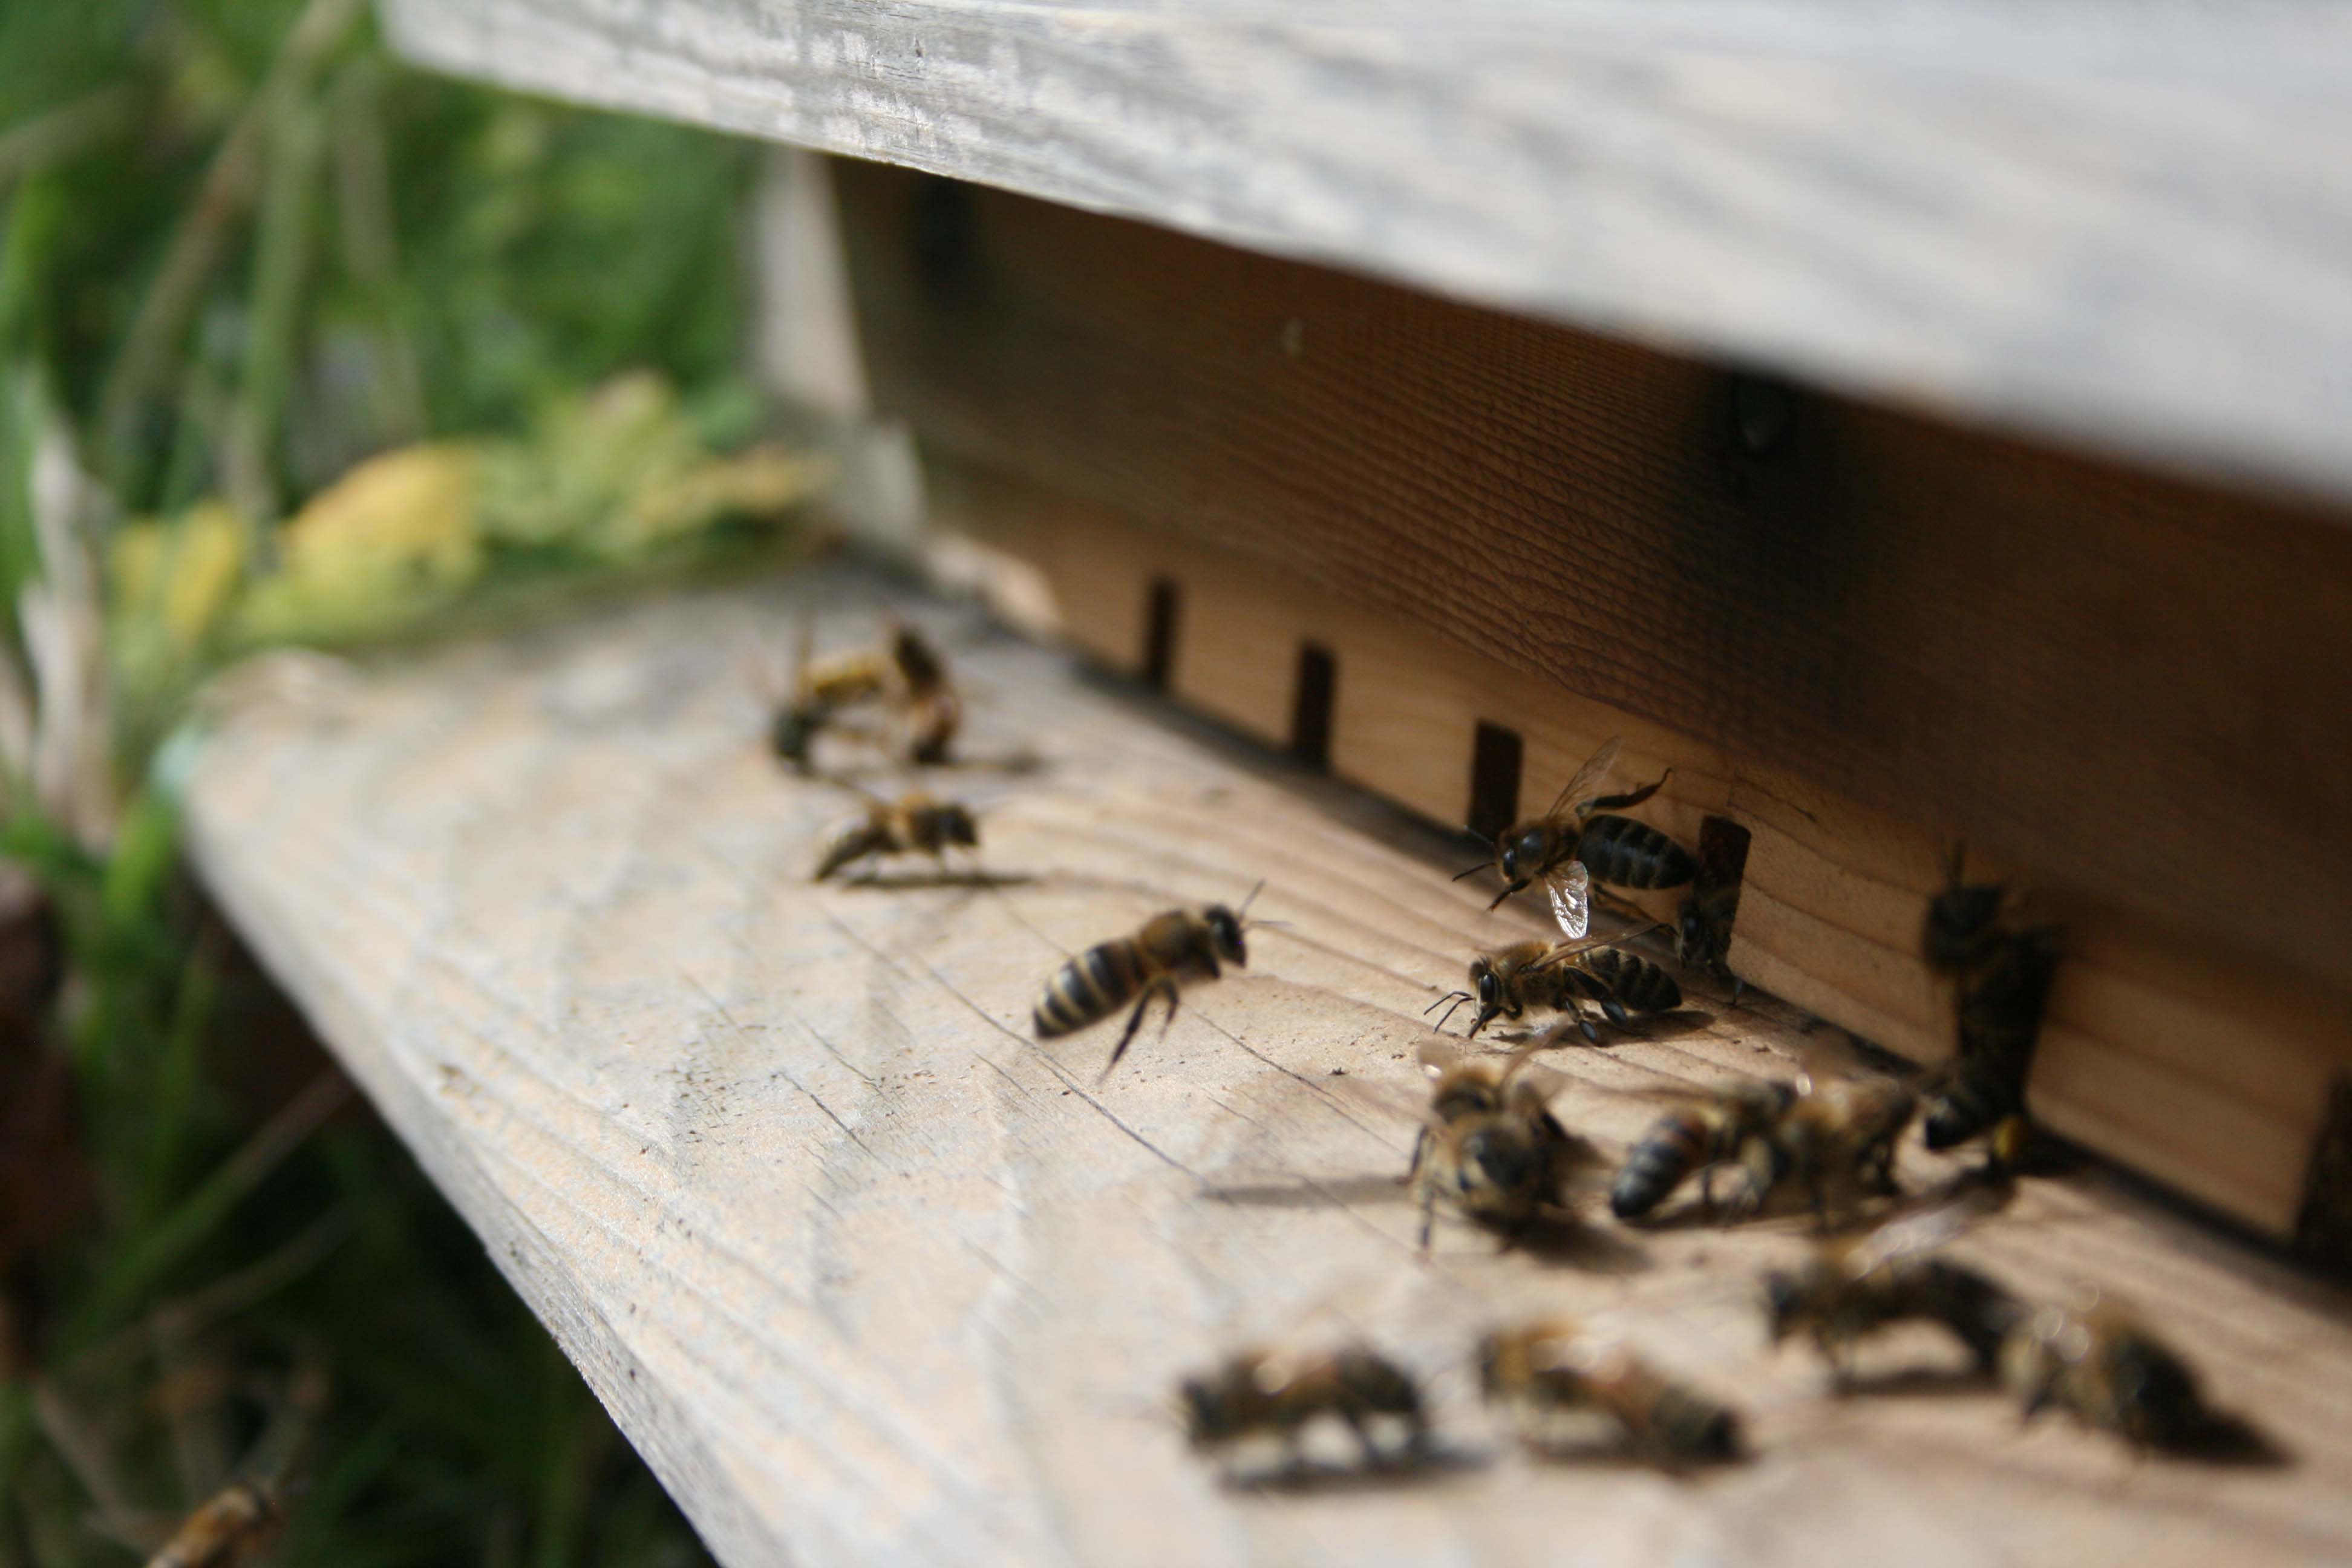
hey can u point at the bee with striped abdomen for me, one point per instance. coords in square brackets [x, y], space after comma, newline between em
[1999, 962]
[1580, 841]
[903, 674]
[1703, 1130]
[1835, 1138]
[1561, 977]
[1552, 1373]
[2101, 1365]
[1489, 1145]
[1277, 1394]
[1854, 1287]
[1167, 953]
[914, 823]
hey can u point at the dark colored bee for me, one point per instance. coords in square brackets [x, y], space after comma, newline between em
[1168, 951]
[1278, 1393]
[1490, 1146]
[904, 674]
[1542, 976]
[2001, 965]
[1703, 925]
[1579, 842]
[1702, 1130]
[912, 824]
[1854, 1286]
[2100, 1365]
[240, 1524]
[1551, 1372]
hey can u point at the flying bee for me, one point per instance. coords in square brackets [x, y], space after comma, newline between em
[1280, 1393]
[1168, 951]
[1580, 841]
[1490, 1146]
[2001, 963]
[912, 824]
[240, 1524]
[902, 674]
[1703, 1130]
[1561, 977]
[1703, 925]
[1854, 1287]
[2100, 1365]
[1552, 1369]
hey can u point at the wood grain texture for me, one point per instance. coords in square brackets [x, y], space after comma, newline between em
[2205, 1070]
[870, 1276]
[2137, 687]
[2122, 221]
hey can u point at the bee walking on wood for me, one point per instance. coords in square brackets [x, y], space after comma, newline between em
[1703, 1130]
[1854, 1287]
[1999, 964]
[1489, 1144]
[1703, 925]
[1551, 1373]
[1836, 1139]
[914, 823]
[2100, 1365]
[1542, 976]
[903, 674]
[1277, 1394]
[1169, 951]
[1580, 841]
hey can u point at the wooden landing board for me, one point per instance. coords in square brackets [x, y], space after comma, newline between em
[869, 1276]
[2209, 1072]
[2124, 222]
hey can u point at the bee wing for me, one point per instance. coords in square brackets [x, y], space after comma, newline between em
[1909, 1233]
[1588, 777]
[1569, 950]
[1571, 886]
[1386, 1099]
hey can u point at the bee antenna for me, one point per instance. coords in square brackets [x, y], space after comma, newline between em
[1471, 873]
[1457, 998]
[1449, 996]
[1478, 836]
[1254, 892]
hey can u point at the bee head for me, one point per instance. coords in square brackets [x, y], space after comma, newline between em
[1959, 919]
[956, 826]
[1489, 987]
[1718, 1437]
[1205, 1413]
[789, 734]
[1521, 852]
[922, 668]
[1226, 933]
[1690, 932]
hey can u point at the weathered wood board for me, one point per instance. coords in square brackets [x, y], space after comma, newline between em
[2126, 221]
[871, 1277]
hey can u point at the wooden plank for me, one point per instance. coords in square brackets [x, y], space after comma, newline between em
[2133, 687]
[2122, 223]
[2204, 1070]
[869, 1276]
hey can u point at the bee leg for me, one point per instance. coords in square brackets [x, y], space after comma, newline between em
[1615, 1011]
[1135, 1019]
[1373, 1456]
[1428, 1219]
[1420, 1149]
[1707, 1191]
[1631, 796]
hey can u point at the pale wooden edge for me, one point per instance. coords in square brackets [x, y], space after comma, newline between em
[1879, 203]
[2208, 1077]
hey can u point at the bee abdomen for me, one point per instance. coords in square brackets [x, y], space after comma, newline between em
[1635, 982]
[1089, 989]
[1630, 854]
[1973, 1098]
[1655, 1166]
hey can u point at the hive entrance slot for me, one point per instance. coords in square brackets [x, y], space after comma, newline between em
[1160, 634]
[1310, 714]
[1495, 763]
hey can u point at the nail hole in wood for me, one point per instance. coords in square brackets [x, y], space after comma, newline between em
[1160, 634]
[1310, 713]
[1495, 760]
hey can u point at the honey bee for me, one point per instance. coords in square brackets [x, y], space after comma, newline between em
[1490, 1146]
[1280, 1393]
[1836, 1137]
[1542, 976]
[1703, 925]
[903, 673]
[239, 1524]
[2103, 1367]
[2000, 964]
[1703, 1130]
[1552, 1369]
[913, 822]
[1579, 841]
[1166, 952]
[1854, 1287]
